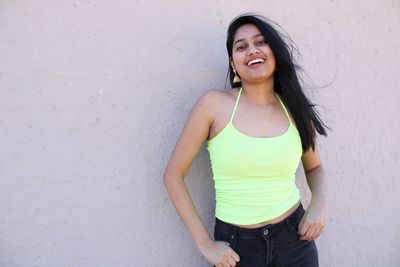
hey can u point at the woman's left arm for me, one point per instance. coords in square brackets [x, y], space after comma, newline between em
[314, 219]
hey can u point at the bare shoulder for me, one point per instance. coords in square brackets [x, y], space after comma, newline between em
[220, 104]
[215, 96]
[196, 130]
[212, 101]
[218, 96]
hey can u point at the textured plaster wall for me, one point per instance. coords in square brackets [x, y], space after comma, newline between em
[95, 93]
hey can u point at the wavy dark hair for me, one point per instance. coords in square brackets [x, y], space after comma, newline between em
[286, 81]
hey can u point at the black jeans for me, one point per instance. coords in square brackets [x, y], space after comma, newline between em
[275, 245]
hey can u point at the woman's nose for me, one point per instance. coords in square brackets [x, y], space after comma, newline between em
[252, 50]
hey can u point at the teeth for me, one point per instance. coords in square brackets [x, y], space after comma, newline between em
[256, 60]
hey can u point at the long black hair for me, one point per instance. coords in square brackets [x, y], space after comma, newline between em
[286, 81]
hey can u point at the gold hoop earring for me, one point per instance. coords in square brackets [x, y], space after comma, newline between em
[236, 79]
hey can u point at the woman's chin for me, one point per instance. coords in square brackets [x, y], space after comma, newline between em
[259, 78]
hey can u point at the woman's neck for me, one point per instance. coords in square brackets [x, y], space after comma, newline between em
[261, 94]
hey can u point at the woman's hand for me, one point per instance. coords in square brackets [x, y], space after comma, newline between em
[313, 221]
[219, 253]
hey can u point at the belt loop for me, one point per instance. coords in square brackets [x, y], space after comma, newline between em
[287, 222]
[234, 233]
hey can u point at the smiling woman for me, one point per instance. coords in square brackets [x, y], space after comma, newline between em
[261, 61]
[257, 133]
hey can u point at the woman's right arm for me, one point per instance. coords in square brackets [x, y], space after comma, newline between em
[193, 135]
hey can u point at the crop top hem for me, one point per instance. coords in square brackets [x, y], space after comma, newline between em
[255, 220]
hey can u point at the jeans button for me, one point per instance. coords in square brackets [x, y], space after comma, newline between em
[266, 232]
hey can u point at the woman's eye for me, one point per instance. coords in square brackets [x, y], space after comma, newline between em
[240, 47]
[261, 42]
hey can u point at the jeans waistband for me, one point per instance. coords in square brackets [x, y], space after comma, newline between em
[229, 229]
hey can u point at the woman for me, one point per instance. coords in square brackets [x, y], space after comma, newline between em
[257, 133]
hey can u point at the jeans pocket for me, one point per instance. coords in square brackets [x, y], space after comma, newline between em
[293, 222]
[222, 235]
[218, 237]
[293, 228]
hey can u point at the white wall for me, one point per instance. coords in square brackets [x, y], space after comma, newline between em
[95, 93]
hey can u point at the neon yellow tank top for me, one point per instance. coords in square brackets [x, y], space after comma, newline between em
[254, 176]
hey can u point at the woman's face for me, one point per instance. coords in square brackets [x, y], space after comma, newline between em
[251, 55]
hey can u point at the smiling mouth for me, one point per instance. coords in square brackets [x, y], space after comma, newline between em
[255, 61]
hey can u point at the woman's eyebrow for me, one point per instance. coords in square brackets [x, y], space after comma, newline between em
[254, 36]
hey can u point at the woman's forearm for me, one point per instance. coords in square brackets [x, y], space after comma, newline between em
[183, 204]
[317, 183]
